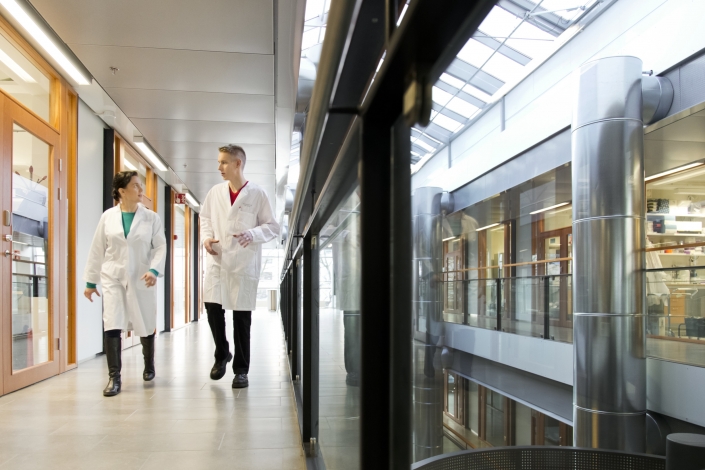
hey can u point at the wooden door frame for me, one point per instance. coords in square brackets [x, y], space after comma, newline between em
[187, 263]
[459, 397]
[14, 113]
[63, 120]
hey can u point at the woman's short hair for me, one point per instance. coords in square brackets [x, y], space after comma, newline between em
[120, 181]
[235, 151]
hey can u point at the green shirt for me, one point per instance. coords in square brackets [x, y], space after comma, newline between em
[127, 218]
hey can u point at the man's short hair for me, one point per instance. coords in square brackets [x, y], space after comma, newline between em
[235, 151]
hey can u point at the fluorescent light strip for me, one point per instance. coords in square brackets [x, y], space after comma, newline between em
[486, 227]
[449, 238]
[191, 200]
[130, 165]
[403, 12]
[43, 40]
[549, 208]
[670, 172]
[14, 66]
[151, 156]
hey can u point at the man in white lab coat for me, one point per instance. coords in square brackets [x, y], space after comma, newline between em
[236, 219]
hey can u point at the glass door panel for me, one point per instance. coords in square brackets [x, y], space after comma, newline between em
[179, 244]
[31, 325]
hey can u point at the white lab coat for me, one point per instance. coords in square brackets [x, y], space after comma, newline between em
[117, 264]
[233, 274]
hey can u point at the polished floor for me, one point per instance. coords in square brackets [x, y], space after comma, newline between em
[182, 420]
[339, 402]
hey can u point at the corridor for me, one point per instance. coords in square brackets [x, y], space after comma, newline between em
[181, 420]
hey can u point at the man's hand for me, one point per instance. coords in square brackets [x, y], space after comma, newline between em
[149, 279]
[88, 293]
[245, 238]
[208, 245]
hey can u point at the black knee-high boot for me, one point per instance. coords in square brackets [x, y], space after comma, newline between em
[148, 353]
[113, 352]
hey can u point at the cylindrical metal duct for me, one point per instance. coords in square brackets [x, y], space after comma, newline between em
[657, 98]
[427, 308]
[609, 386]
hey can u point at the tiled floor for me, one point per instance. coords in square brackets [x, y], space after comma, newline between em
[181, 420]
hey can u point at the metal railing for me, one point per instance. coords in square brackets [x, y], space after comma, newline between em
[538, 306]
[541, 458]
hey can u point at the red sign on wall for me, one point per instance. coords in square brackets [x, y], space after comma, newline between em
[180, 198]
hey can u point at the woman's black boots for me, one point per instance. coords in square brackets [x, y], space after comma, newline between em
[148, 352]
[113, 352]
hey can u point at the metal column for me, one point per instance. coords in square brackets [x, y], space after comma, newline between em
[427, 308]
[609, 394]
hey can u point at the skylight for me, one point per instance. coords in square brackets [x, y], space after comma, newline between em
[514, 38]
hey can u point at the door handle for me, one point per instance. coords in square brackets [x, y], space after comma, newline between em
[7, 237]
[8, 253]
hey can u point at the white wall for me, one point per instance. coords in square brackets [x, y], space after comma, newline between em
[161, 211]
[660, 32]
[89, 316]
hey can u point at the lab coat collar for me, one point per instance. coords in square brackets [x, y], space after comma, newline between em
[139, 215]
[240, 197]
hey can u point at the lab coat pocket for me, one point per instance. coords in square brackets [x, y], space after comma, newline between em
[247, 261]
[245, 220]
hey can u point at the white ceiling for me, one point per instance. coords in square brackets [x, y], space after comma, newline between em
[192, 76]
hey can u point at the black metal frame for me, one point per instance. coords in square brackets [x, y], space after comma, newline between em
[167, 267]
[375, 139]
[196, 266]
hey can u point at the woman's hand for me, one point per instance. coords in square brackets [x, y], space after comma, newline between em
[149, 279]
[88, 293]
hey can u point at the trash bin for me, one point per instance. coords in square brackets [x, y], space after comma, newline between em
[273, 300]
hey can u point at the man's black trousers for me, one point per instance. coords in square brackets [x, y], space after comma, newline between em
[242, 321]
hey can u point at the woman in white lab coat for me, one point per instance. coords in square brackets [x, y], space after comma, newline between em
[127, 255]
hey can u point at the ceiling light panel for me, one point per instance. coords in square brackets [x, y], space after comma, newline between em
[475, 53]
[314, 8]
[47, 44]
[14, 66]
[452, 81]
[477, 93]
[531, 41]
[462, 107]
[499, 24]
[502, 67]
[310, 38]
[441, 97]
[447, 123]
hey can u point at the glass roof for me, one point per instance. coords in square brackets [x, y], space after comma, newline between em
[515, 37]
[315, 19]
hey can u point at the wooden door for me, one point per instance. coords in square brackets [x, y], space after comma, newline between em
[34, 248]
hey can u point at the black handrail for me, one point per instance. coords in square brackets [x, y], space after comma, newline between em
[542, 457]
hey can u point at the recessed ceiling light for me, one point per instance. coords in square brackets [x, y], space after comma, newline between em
[486, 227]
[670, 172]
[147, 151]
[36, 32]
[549, 208]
